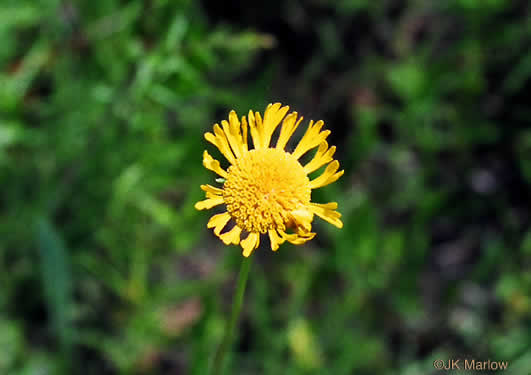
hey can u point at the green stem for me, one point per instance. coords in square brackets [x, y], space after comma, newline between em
[217, 366]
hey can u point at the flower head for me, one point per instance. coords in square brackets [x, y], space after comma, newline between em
[266, 189]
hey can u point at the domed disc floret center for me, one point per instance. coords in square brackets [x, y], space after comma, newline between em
[263, 187]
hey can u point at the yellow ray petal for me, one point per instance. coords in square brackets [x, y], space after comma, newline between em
[328, 206]
[312, 138]
[299, 239]
[212, 164]
[208, 203]
[218, 222]
[289, 125]
[328, 176]
[232, 236]
[255, 133]
[327, 212]
[260, 127]
[211, 191]
[302, 218]
[231, 138]
[272, 117]
[250, 243]
[324, 155]
[244, 133]
[276, 239]
[224, 142]
[220, 141]
[232, 131]
[286, 236]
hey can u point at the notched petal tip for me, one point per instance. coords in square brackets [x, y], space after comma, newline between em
[219, 139]
[218, 222]
[212, 164]
[299, 239]
[311, 138]
[318, 126]
[332, 205]
[250, 243]
[232, 236]
[327, 212]
[273, 115]
[210, 137]
[209, 189]
[275, 239]
[289, 125]
[328, 176]
[208, 203]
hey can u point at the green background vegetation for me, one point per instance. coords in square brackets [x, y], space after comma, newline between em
[105, 266]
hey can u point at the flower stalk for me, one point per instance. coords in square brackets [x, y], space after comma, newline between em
[218, 362]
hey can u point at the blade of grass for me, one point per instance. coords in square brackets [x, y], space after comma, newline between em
[56, 282]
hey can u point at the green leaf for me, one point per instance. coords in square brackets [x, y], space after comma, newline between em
[56, 282]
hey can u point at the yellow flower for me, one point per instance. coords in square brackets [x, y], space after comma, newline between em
[266, 189]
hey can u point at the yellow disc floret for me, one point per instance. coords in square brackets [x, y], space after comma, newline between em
[263, 187]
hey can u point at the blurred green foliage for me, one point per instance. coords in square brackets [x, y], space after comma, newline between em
[105, 266]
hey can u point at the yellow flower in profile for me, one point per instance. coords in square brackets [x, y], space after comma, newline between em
[266, 189]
